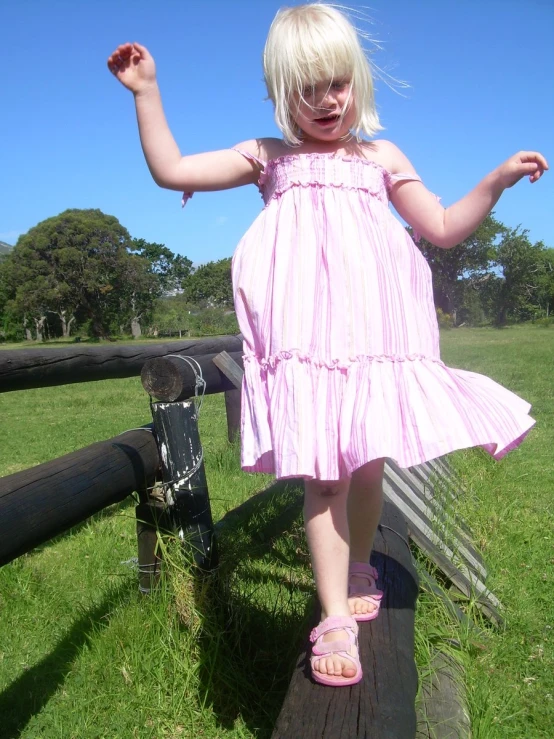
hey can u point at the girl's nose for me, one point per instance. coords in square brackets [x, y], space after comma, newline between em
[328, 99]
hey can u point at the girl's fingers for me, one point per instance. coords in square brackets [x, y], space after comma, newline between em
[143, 50]
[122, 53]
[531, 163]
[115, 64]
[125, 49]
[534, 156]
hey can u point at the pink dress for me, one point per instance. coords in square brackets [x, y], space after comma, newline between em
[341, 345]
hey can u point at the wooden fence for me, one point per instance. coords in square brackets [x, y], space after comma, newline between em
[42, 502]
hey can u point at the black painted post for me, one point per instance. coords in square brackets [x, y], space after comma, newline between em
[151, 518]
[176, 428]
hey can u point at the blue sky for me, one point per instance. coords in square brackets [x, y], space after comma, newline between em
[481, 88]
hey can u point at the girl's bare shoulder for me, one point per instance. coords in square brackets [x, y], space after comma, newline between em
[264, 148]
[389, 156]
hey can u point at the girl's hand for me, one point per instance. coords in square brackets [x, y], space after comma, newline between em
[134, 67]
[523, 163]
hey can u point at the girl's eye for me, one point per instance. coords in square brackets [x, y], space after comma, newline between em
[308, 91]
[339, 85]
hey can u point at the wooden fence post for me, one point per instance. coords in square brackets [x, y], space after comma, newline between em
[184, 477]
[152, 519]
[234, 372]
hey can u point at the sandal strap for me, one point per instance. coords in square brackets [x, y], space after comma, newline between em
[344, 655]
[334, 623]
[325, 648]
[363, 568]
[373, 600]
[372, 595]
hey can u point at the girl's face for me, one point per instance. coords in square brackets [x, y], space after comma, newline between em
[325, 112]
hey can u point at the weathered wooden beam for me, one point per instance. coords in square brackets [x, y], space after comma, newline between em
[382, 705]
[435, 493]
[442, 711]
[442, 555]
[26, 368]
[429, 582]
[44, 501]
[152, 521]
[435, 518]
[233, 398]
[233, 406]
[230, 368]
[171, 379]
[440, 469]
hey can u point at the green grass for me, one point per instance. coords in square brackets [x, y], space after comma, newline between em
[510, 509]
[83, 655]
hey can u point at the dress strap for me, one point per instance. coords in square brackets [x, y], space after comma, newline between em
[398, 176]
[251, 157]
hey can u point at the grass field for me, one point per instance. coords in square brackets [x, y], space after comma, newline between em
[83, 655]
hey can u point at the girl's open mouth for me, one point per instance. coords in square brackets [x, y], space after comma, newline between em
[327, 120]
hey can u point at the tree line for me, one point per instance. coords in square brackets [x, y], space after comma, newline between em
[81, 274]
[494, 277]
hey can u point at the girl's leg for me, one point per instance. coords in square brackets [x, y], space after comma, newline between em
[326, 524]
[365, 502]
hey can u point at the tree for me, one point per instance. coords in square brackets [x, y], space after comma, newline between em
[172, 315]
[170, 269]
[10, 323]
[211, 285]
[137, 289]
[545, 283]
[27, 289]
[456, 270]
[77, 265]
[515, 293]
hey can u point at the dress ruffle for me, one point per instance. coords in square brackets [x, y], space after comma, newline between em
[304, 418]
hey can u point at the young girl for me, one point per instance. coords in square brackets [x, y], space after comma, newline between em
[335, 303]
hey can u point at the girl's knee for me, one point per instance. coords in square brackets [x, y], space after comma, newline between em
[326, 488]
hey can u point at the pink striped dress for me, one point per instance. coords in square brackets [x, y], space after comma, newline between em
[341, 345]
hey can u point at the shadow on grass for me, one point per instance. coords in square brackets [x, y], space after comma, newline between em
[258, 610]
[28, 694]
[108, 512]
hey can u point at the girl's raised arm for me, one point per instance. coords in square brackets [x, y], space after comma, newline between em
[134, 67]
[446, 227]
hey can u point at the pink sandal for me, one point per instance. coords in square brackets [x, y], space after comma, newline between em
[322, 649]
[370, 593]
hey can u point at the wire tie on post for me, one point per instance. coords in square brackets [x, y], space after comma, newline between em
[133, 562]
[200, 383]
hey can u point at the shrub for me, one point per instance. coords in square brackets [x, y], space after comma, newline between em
[543, 321]
[445, 320]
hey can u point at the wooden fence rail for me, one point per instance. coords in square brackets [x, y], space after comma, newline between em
[28, 368]
[44, 501]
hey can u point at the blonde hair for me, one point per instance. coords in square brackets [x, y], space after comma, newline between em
[309, 44]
